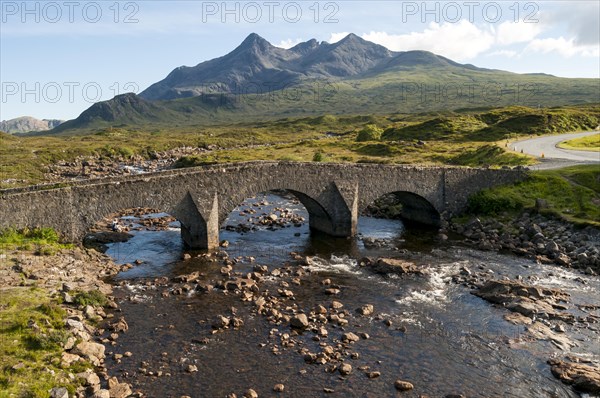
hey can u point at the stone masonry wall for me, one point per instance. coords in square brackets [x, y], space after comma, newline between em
[332, 193]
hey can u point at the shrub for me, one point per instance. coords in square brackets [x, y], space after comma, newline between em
[487, 203]
[369, 133]
[318, 157]
[27, 235]
[94, 298]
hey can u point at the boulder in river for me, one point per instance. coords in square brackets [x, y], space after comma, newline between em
[582, 377]
[299, 321]
[366, 309]
[531, 301]
[394, 266]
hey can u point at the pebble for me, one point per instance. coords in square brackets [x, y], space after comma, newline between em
[345, 369]
[402, 385]
[373, 375]
[250, 393]
[191, 368]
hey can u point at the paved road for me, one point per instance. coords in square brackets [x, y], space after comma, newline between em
[555, 157]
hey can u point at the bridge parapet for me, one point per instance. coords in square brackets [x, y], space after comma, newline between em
[202, 197]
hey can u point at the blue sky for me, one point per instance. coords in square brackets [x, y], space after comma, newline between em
[58, 57]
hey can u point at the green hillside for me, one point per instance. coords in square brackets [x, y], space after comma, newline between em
[468, 137]
[420, 90]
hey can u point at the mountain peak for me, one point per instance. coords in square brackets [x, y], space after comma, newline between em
[352, 37]
[304, 47]
[254, 40]
[26, 124]
[354, 41]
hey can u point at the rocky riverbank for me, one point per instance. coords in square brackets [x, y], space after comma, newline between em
[100, 167]
[85, 167]
[75, 280]
[548, 241]
[546, 314]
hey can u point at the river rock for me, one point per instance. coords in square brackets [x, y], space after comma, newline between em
[221, 322]
[543, 332]
[552, 248]
[101, 394]
[402, 385]
[394, 266]
[563, 259]
[250, 393]
[350, 337]
[299, 321]
[582, 258]
[73, 324]
[121, 390]
[89, 378]
[278, 387]
[191, 277]
[59, 392]
[92, 351]
[66, 359]
[373, 375]
[119, 326]
[238, 283]
[319, 309]
[191, 368]
[584, 378]
[345, 369]
[366, 309]
[525, 299]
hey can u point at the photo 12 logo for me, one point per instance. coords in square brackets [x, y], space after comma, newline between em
[69, 11]
[269, 11]
[53, 92]
[490, 93]
[453, 11]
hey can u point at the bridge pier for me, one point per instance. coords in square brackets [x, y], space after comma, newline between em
[334, 213]
[198, 231]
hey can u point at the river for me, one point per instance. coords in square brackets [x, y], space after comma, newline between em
[426, 329]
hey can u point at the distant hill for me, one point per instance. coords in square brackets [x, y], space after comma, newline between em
[26, 124]
[259, 81]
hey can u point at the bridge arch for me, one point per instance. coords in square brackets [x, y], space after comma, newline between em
[319, 218]
[415, 208]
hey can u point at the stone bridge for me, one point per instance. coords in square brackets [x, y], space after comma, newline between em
[201, 198]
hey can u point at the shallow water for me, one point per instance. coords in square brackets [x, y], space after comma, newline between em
[442, 338]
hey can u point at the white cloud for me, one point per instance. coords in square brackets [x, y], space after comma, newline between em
[457, 41]
[566, 48]
[288, 43]
[335, 37]
[582, 19]
[503, 53]
[517, 32]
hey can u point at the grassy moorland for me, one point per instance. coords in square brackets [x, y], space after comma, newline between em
[32, 332]
[589, 143]
[43, 241]
[572, 193]
[470, 137]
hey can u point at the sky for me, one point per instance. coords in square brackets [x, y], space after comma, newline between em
[59, 57]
